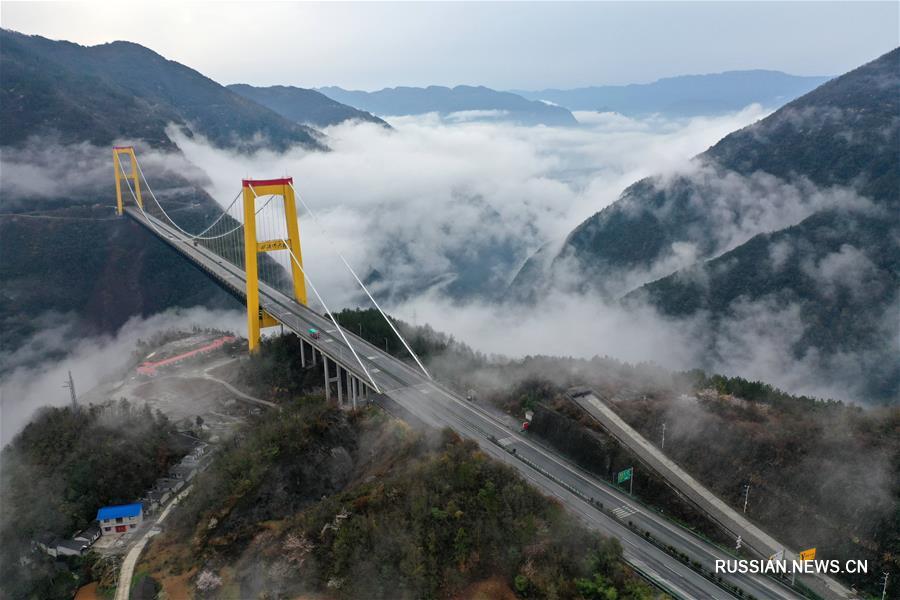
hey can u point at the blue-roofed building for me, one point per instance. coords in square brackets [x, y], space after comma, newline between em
[120, 519]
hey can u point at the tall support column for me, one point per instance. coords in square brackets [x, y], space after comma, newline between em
[327, 379]
[339, 386]
[251, 268]
[293, 231]
[302, 353]
[355, 391]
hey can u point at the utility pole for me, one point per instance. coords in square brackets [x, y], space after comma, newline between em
[360, 329]
[884, 587]
[386, 345]
[662, 445]
[746, 496]
[70, 384]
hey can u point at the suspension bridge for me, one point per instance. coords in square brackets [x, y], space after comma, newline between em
[252, 250]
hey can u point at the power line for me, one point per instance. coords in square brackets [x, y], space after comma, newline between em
[56, 217]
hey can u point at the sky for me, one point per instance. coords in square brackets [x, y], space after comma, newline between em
[501, 45]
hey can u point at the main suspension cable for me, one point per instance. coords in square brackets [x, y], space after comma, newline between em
[133, 195]
[172, 221]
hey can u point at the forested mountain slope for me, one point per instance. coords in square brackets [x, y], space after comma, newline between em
[820, 151]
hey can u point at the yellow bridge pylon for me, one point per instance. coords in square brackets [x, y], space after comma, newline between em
[118, 151]
[252, 189]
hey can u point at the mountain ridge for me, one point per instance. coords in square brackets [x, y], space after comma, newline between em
[685, 95]
[405, 100]
[305, 106]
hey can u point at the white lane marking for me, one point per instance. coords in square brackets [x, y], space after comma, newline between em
[506, 441]
[624, 511]
[373, 357]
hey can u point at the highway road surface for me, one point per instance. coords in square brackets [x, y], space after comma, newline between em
[712, 505]
[408, 388]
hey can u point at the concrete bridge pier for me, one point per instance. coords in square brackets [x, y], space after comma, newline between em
[348, 385]
[340, 386]
[335, 380]
[327, 379]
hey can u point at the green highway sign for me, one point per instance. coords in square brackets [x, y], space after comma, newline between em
[625, 475]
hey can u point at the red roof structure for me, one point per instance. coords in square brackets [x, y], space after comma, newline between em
[150, 367]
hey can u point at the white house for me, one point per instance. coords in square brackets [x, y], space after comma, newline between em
[89, 535]
[71, 547]
[59, 547]
[120, 519]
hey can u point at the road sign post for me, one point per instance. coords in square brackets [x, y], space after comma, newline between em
[805, 555]
[626, 475]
